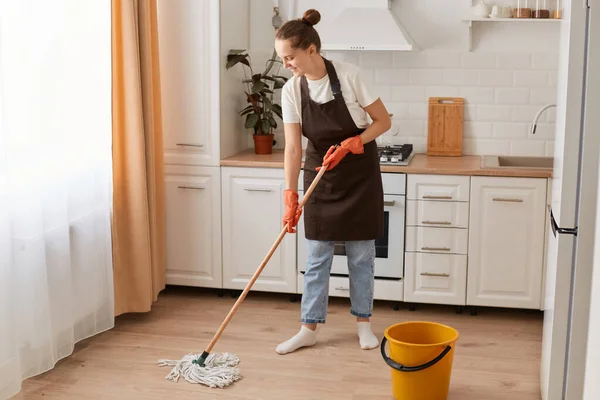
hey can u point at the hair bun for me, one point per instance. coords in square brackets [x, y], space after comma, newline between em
[312, 17]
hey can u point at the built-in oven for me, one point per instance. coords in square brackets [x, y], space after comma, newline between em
[389, 248]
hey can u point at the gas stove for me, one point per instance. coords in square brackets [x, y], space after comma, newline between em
[395, 154]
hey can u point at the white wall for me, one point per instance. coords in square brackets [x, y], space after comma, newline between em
[508, 76]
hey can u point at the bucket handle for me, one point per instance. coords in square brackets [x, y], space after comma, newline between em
[404, 368]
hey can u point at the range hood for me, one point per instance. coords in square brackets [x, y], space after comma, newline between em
[365, 25]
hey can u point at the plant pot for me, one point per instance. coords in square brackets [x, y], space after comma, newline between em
[263, 144]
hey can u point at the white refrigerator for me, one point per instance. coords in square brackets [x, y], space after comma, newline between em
[573, 204]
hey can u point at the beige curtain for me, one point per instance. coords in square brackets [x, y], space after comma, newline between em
[139, 253]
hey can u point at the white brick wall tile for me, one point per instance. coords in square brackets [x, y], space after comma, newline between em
[543, 131]
[524, 113]
[496, 78]
[474, 129]
[412, 128]
[512, 96]
[510, 130]
[549, 149]
[472, 60]
[514, 61]
[548, 61]
[378, 59]
[531, 79]
[409, 59]
[418, 111]
[400, 110]
[470, 113]
[527, 148]
[368, 75]
[458, 78]
[493, 113]
[409, 94]
[391, 76]
[473, 146]
[475, 95]
[543, 96]
[383, 91]
[442, 91]
[553, 79]
[425, 77]
[550, 115]
[444, 59]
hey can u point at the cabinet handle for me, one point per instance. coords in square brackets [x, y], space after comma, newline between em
[436, 248]
[190, 145]
[508, 200]
[437, 222]
[257, 190]
[432, 274]
[342, 289]
[437, 197]
[191, 187]
[389, 203]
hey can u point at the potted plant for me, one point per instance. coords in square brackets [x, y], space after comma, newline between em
[260, 88]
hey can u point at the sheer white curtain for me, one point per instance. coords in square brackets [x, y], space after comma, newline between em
[56, 284]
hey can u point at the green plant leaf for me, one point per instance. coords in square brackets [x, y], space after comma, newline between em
[258, 86]
[272, 121]
[281, 77]
[278, 84]
[251, 121]
[269, 78]
[267, 102]
[247, 110]
[274, 60]
[256, 77]
[266, 126]
[232, 60]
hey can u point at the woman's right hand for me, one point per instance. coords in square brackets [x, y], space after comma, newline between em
[292, 213]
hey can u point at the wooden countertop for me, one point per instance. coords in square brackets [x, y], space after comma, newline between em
[420, 164]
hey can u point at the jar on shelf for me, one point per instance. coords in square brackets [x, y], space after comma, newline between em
[557, 12]
[541, 9]
[522, 9]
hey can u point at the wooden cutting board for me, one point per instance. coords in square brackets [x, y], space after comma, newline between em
[445, 126]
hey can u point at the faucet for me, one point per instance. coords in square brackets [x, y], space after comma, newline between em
[537, 116]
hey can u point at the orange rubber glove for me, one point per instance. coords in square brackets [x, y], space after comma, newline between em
[291, 214]
[335, 154]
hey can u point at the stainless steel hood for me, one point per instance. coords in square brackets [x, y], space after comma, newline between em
[365, 25]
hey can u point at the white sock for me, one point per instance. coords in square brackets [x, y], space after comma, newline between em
[366, 337]
[305, 337]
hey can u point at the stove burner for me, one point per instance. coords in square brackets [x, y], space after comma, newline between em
[395, 154]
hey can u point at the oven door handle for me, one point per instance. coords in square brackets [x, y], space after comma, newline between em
[389, 203]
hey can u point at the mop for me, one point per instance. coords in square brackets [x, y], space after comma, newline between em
[220, 369]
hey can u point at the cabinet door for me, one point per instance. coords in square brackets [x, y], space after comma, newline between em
[506, 242]
[252, 214]
[193, 200]
[189, 51]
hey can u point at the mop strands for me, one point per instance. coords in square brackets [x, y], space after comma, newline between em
[220, 370]
[215, 370]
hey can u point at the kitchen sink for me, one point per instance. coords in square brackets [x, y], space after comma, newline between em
[517, 162]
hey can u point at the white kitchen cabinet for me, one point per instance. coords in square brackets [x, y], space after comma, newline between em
[252, 220]
[435, 278]
[506, 242]
[193, 223]
[190, 55]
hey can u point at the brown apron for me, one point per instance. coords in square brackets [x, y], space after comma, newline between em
[347, 203]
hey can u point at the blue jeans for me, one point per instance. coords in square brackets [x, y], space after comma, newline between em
[361, 265]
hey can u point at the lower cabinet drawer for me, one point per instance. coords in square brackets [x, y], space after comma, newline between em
[437, 240]
[437, 213]
[435, 278]
[340, 287]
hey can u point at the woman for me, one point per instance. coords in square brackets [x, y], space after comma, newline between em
[327, 102]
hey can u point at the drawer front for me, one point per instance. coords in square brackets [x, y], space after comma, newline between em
[340, 287]
[437, 214]
[435, 278]
[437, 240]
[438, 187]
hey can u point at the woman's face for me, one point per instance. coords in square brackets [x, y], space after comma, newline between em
[298, 61]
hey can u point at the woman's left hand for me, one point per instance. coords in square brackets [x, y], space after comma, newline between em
[335, 154]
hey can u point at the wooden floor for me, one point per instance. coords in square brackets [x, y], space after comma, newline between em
[497, 356]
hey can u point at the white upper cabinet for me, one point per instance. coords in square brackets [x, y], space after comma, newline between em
[189, 50]
[506, 242]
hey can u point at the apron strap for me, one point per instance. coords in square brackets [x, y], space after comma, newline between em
[336, 87]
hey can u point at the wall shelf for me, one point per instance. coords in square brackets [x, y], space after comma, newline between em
[471, 21]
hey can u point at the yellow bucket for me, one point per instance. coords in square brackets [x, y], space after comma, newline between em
[421, 355]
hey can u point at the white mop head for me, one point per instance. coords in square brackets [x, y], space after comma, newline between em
[219, 370]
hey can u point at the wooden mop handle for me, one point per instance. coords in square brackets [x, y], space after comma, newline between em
[263, 264]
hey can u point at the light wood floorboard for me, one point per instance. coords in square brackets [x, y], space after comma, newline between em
[497, 356]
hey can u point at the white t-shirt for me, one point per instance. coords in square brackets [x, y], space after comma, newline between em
[354, 91]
